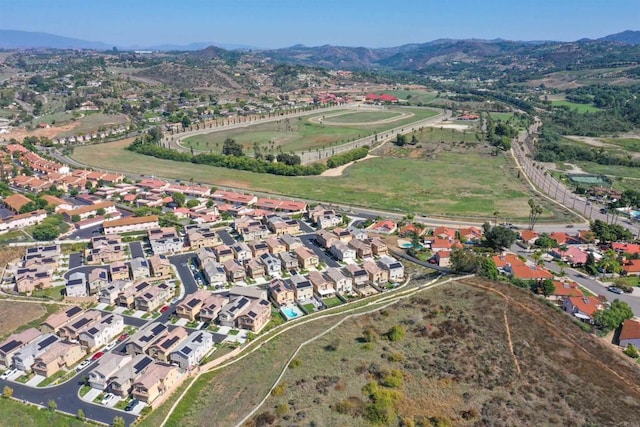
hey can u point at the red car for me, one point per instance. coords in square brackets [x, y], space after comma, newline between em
[123, 337]
[163, 309]
[97, 356]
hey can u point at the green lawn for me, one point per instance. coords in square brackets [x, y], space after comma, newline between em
[298, 134]
[332, 302]
[363, 116]
[505, 117]
[14, 236]
[54, 293]
[413, 96]
[15, 414]
[309, 307]
[452, 184]
[631, 144]
[582, 108]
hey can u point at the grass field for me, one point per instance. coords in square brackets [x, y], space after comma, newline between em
[22, 315]
[16, 414]
[360, 117]
[505, 117]
[452, 184]
[630, 144]
[414, 96]
[582, 108]
[298, 134]
[92, 121]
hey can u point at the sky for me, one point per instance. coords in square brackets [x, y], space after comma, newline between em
[282, 23]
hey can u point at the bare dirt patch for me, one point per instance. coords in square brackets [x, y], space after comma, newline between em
[340, 169]
[14, 314]
[51, 132]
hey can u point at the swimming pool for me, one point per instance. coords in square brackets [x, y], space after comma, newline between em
[291, 312]
[409, 245]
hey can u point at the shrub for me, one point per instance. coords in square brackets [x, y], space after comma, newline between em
[295, 363]
[369, 334]
[393, 379]
[352, 405]
[265, 419]
[632, 351]
[7, 391]
[396, 333]
[279, 389]
[282, 409]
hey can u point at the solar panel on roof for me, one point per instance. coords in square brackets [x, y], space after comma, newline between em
[10, 346]
[158, 328]
[73, 310]
[186, 350]
[93, 330]
[168, 343]
[142, 364]
[80, 323]
[193, 302]
[47, 341]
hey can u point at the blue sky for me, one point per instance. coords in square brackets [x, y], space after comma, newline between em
[280, 23]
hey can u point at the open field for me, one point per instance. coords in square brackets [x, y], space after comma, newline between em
[451, 183]
[505, 117]
[16, 414]
[14, 314]
[630, 144]
[582, 108]
[304, 133]
[413, 96]
[92, 121]
[469, 356]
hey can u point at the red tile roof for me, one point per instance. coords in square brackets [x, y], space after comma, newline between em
[528, 235]
[588, 306]
[632, 266]
[631, 248]
[510, 259]
[630, 330]
[566, 289]
[526, 272]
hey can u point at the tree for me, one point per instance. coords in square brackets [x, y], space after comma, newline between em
[75, 218]
[609, 262]
[118, 422]
[400, 140]
[488, 268]
[534, 213]
[192, 203]
[80, 415]
[7, 392]
[52, 405]
[544, 241]
[179, 198]
[185, 121]
[630, 351]
[45, 231]
[500, 237]
[100, 211]
[613, 316]
[231, 148]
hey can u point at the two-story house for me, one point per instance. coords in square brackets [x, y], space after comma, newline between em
[306, 257]
[341, 283]
[189, 353]
[322, 286]
[302, 288]
[281, 293]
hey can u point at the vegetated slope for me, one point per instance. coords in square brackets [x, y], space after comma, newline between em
[215, 78]
[454, 365]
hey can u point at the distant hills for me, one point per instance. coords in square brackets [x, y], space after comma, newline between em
[15, 39]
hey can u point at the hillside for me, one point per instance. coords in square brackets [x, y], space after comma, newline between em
[455, 366]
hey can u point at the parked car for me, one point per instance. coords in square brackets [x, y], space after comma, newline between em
[163, 309]
[83, 365]
[131, 405]
[97, 356]
[614, 289]
[110, 346]
[107, 398]
[6, 374]
[123, 337]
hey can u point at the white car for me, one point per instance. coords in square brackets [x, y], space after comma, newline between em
[6, 374]
[107, 398]
[83, 365]
[110, 346]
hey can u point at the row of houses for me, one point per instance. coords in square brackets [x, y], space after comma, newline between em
[36, 269]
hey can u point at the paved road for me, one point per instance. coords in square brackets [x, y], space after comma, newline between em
[226, 238]
[136, 250]
[86, 269]
[181, 263]
[75, 260]
[309, 241]
[305, 228]
[86, 233]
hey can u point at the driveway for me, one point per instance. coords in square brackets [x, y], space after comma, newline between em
[226, 238]
[75, 260]
[309, 241]
[136, 250]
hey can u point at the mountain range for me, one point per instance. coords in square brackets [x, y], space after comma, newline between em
[15, 39]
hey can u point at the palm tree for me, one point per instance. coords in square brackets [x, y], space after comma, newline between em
[534, 213]
[495, 217]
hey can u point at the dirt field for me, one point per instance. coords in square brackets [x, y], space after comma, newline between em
[14, 314]
[473, 353]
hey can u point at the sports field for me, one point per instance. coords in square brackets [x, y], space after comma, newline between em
[582, 108]
[453, 184]
[309, 132]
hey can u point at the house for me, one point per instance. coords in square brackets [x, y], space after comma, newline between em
[444, 233]
[325, 238]
[437, 244]
[378, 247]
[252, 292]
[119, 271]
[631, 267]
[165, 240]
[56, 203]
[109, 294]
[258, 248]
[564, 289]
[342, 234]
[582, 307]
[154, 297]
[255, 269]
[386, 226]
[188, 354]
[325, 218]
[76, 286]
[358, 234]
[57, 356]
[470, 234]
[72, 329]
[241, 252]
[201, 236]
[166, 343]
[377, 275]
[322, 286]
[343, 252]
[126, 298]
[394, 267]
[529, 237]
[530, 272]
[340, 282]
[190, 307]
[223, 253]
[36, 277]
[139, 268]
[140, 341]
[105, 250]
[107, 366]
[130, 224]
[160, 266]
[101, 333]
[363, 249]
[233, 270]
[15, 343]
[121, 382]
[291, 242]
[630, 333]
[276, 246]
[212, 306]
[505, 262]
[572, 255]
[443, 258]
[626, 248]
[54, 322]
[157, 380]
[306, 257]
[272, 264]
[281, 293]
[15, 202]
[281, 225]
[86, 211]
[97, 279]
[302, 287]
[214, 272]
[26, 356]
[289, 262]
[246, 313]
[358, 274]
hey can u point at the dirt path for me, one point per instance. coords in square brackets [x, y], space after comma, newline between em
[338, 171]
[323, 120]
[595, 142]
